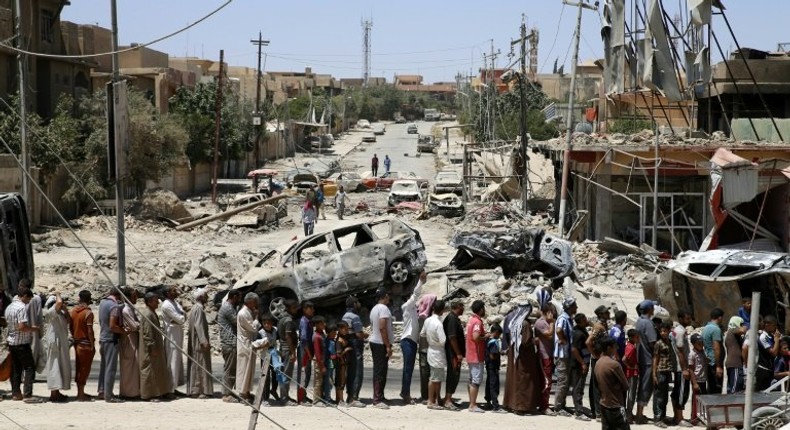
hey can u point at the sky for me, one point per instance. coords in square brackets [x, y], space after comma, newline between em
[436, 39]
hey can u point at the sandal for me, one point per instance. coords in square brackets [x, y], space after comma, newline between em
[450, 406]
[436, 407]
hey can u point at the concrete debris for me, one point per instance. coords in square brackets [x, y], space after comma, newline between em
[158, 203]
[645, 138]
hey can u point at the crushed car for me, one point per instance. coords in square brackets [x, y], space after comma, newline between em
[701, 281]
[514, 250]
[404, 191]
[448, 181]
[261, 215]
[446, 205]
[327, 267]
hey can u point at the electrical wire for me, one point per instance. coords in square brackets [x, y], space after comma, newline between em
[556, 36]
[121, 51]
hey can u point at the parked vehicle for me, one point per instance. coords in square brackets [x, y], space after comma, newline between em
[369, 137]
[412, 129]
[301, 182]
[385, 181]
[379, 129]
[446, 205]
[363, 123]
[448, 181]
[426, 143]
[351, 182]
[327, 140]
[263, 182]
[329, 266]
[432, 115]
[400, 120]
[404, 191]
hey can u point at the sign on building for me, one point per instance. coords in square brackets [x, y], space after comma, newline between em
[117, 130]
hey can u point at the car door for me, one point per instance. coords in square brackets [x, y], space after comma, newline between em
[362, 259]
[317, 268]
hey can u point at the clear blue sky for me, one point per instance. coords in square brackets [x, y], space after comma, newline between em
[436, 39]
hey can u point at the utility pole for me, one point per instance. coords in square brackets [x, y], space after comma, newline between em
[522, 83]
[261, 43]
[218, 120]
[119, 205]
[367, 25]
[21, 59]
[566, 163]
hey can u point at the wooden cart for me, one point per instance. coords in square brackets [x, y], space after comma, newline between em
[726, 410]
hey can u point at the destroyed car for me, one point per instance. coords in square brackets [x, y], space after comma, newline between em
[351, 181]
[302, 182]
[446, 205]
[426, 144]
[404, 191]
[386, 180]
[261, 215]
[701, 281]
[514, 250]
[327, 267]
[448, 181]
[411, 129]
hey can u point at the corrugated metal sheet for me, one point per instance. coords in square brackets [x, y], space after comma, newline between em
[739, 185]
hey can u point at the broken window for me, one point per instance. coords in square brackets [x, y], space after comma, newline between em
[316, 248]
[352, 238]
[47, 26]
[381, 230]
[681, 221]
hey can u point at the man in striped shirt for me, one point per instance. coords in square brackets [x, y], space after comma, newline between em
[562, 354]
[20, 337]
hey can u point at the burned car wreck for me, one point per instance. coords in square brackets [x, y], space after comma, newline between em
[327, 267]
[446, 205]
[701, 281]
[514, 250]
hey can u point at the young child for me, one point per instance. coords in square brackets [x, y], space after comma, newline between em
[698, 365]
[631, 367]
[319, 360]
[330, 359]
[493, 364]
[344, 349]
[745, 311]
[268, 343]
[663, 367]
[580, 362]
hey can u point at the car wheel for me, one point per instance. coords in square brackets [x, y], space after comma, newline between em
[399, 271]
[768, 419]
[277, 304]
[361, 188]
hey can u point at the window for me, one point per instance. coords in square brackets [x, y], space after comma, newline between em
[47, 26]
[681, 220]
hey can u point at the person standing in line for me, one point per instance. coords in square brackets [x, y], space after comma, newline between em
[613, 385]
[630, 362]
[319, 356]
[599, 330]
[308, 217]
[226, 319]
[433, 333]
[268, 336]
[698, 373]
[410, 338]
[129, 385]
[381, 339]
[768, 351]
[618, 333]
[374, 165]
[286, 330]
[20, 337]
[84, 343]
[544, 330]
[647, 338]
[344, 351]
[455, 348]
[35, 316]
[247, 329]
[341, 198]
[173, 317]
[733, 361]
[305, 352]
[424, 311]
[111, 331]
[681, 387]
[663, 367]
[56, 343]
[493, 366]
[155, 377]
[199, 381]
[580, 364]
[355, 367]
[387, 163]
[524, 380]
[476, 338]
[563, 334]
[712, 338]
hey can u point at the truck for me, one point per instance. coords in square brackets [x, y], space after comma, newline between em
[432, 115]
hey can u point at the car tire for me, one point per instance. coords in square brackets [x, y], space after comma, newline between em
[399, 271]
[276, 305]
[768, 418]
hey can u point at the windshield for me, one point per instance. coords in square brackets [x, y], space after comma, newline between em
[405, 186]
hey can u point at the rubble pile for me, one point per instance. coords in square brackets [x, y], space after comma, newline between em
[621, 267]
[644, 137]
[158, 203]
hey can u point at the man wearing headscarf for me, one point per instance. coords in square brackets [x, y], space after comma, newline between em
[424, 311]
[409, 339]
[563, 330]
[56, 343]
[129, 386]
[173, 317]
[155, 381]
[199, 381]
[733, 362]
[524, 379]
[247, 329]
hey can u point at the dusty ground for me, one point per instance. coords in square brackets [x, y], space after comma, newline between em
[159, 254]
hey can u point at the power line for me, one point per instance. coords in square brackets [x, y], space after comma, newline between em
[121, 51]
[556, 36]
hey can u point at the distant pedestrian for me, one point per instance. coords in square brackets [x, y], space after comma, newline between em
[308, 217]
[698, 373]
[424, 311]
[340, 201]
[155, 380]
[475, 351]
[681, 388]
[247, 327]
[319, 201]
[343, 352]
[733, 361]
[387, 163]
[617, 332]
[374, 165]
[611, 379]
[129, 385]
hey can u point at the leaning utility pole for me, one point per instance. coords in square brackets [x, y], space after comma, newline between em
[522, 83]
[20, 58]
[566, 161]
[218, 110]
[119, 205]
[259, 121]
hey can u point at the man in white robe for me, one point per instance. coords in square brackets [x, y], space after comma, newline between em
[248, 327]
[56, 344]
[173, 318]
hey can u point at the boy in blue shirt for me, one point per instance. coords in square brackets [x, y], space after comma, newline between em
[493, 363]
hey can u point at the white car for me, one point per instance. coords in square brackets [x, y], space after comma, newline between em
[363, 123]
[404, 191]
[379, 129]
[350, 181]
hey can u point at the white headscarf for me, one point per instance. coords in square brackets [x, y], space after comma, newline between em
[197, 293]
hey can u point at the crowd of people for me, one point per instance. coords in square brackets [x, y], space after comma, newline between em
[626, 367]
